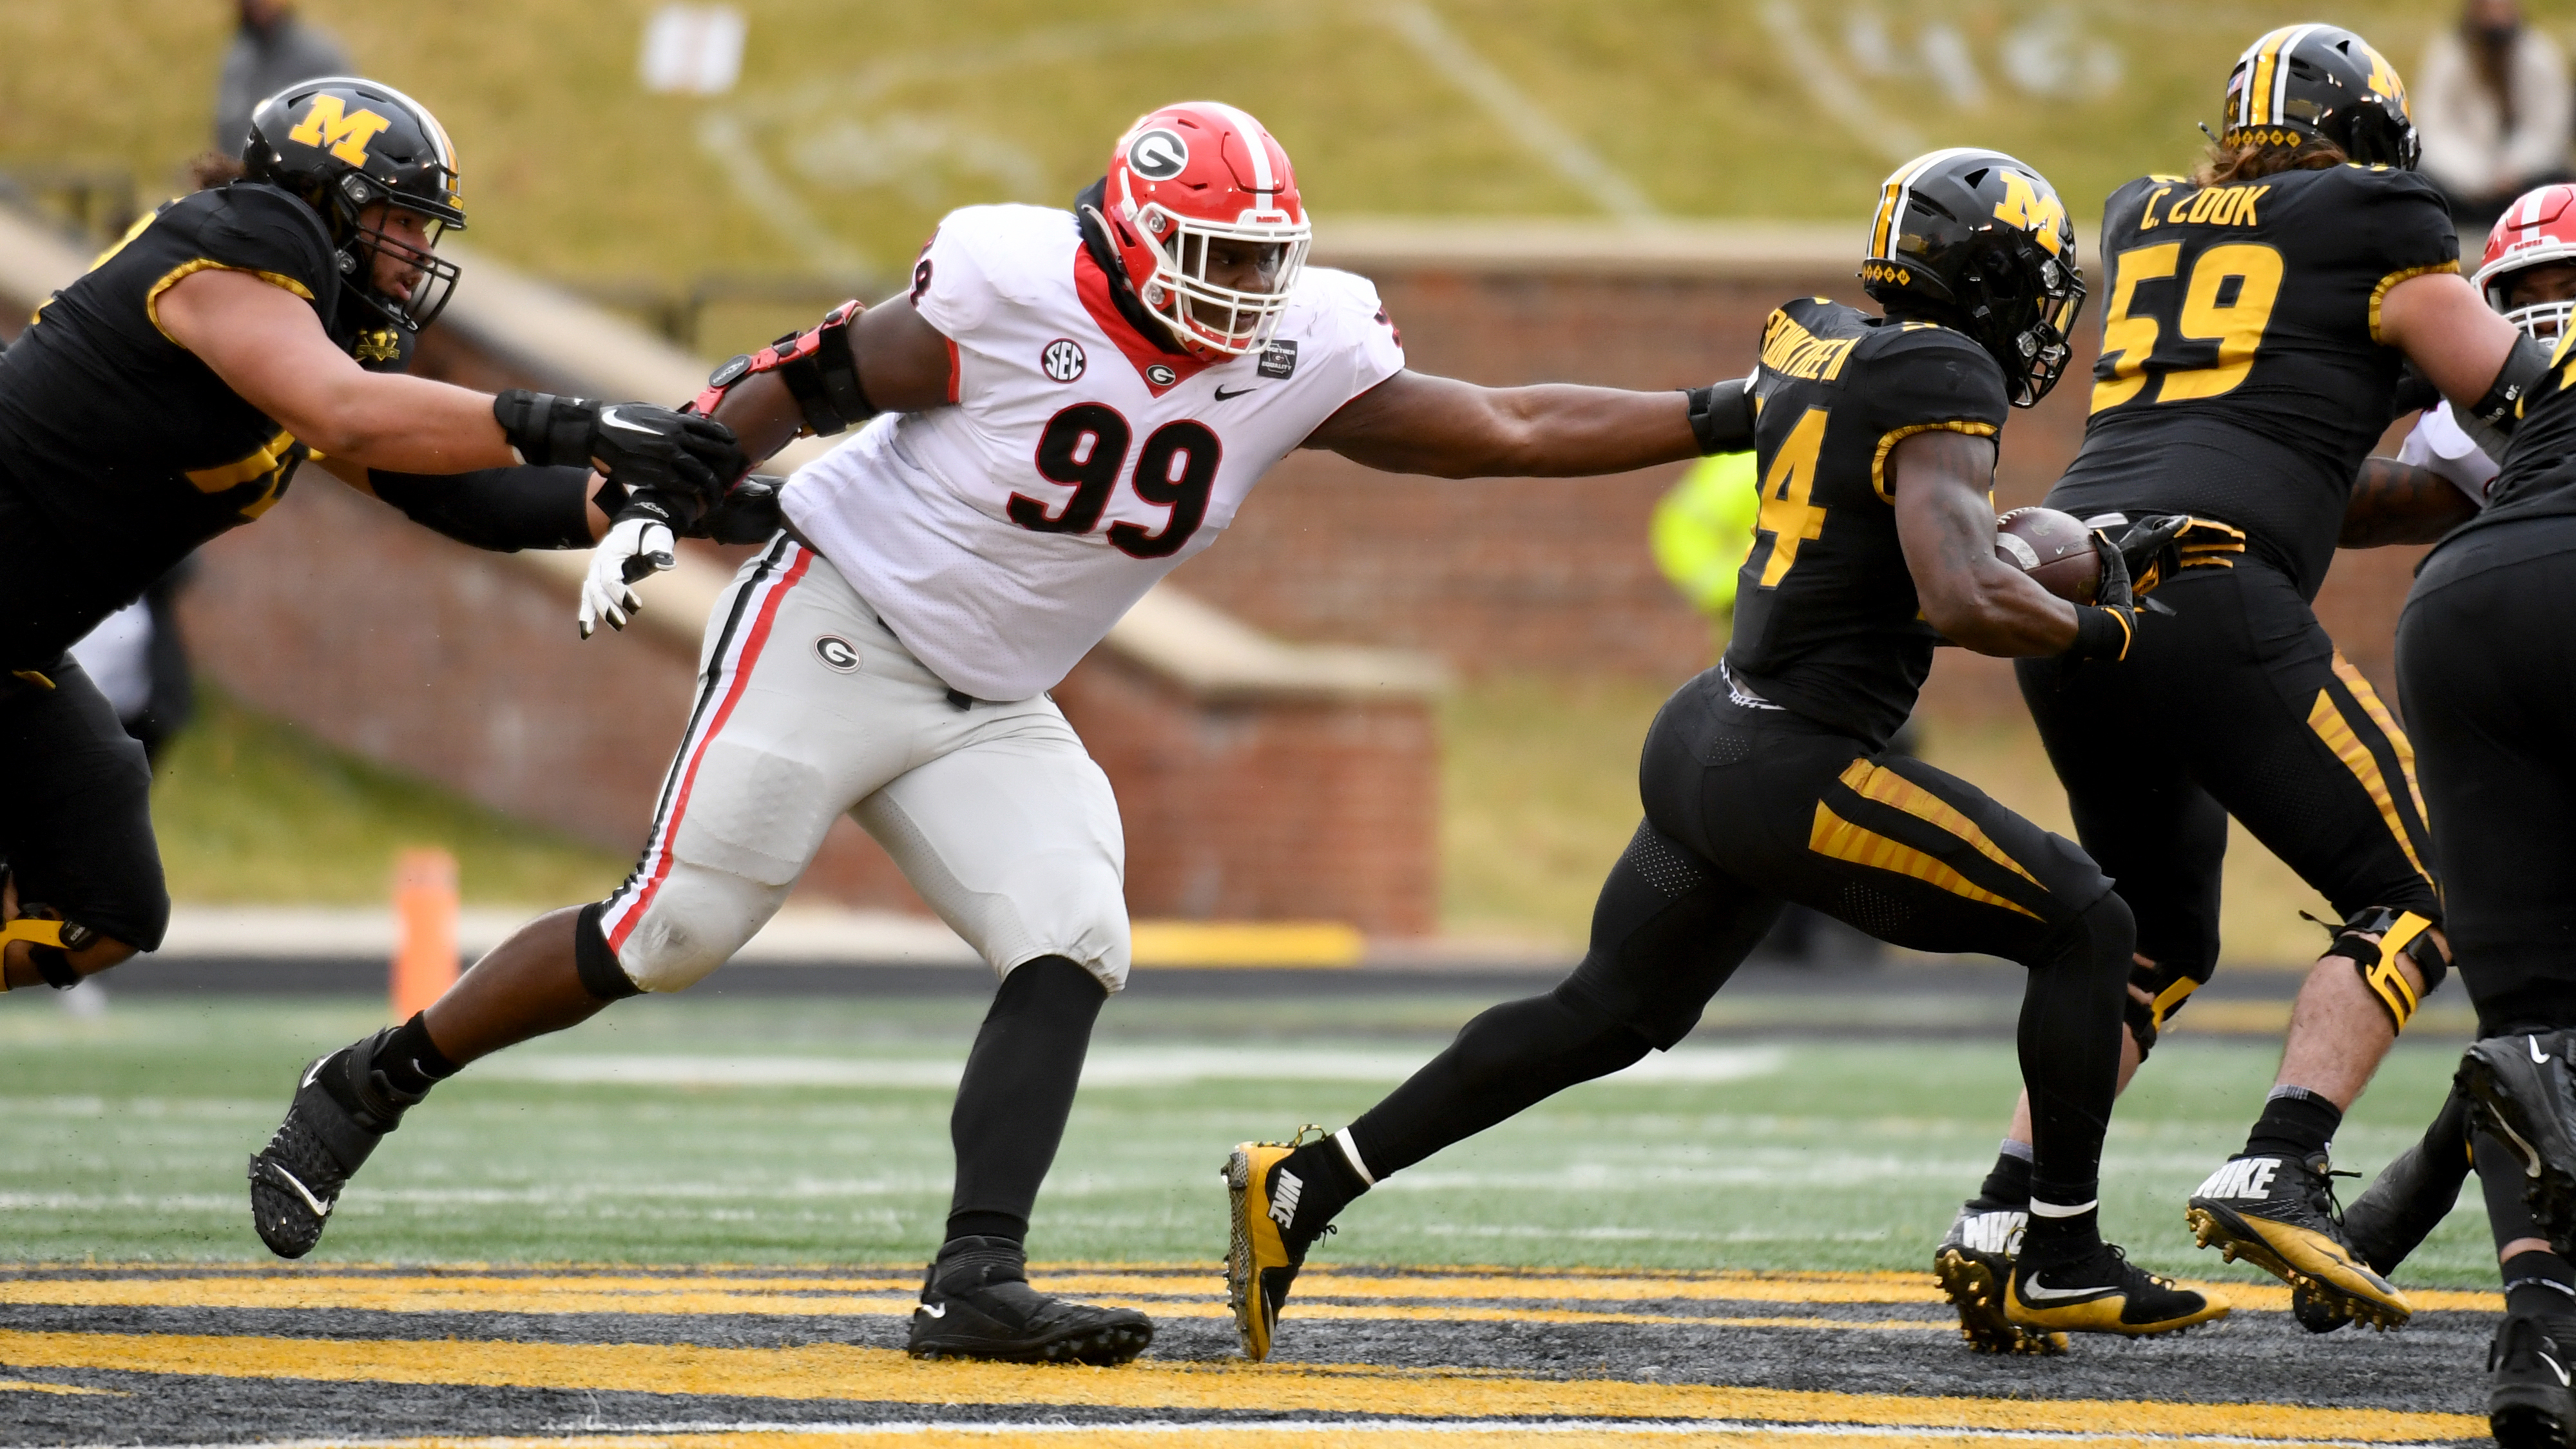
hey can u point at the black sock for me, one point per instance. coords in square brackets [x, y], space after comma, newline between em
[1325, 1182]
[2068, 1040]
[1017, 1092]
[410, 1061]
[2296, 1124]
[2008, 1186]
[2542, 1285]
[1508, 1058]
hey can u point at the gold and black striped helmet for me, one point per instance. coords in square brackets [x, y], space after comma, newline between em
[1978, 241]
[2318, 80]
[344, 144]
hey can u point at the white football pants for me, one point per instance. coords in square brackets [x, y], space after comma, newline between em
[807, 707]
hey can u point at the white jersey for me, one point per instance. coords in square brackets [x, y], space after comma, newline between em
[1000, 539]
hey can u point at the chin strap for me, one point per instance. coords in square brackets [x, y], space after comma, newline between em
[817, 366]
[2402, 934]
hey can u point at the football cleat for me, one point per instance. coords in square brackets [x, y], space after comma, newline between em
[2394, 1215]
[976, 1303]
[1259, 1264]
[2104, 1293]
[2519, 1089]
[2528, 1404]
[342, 1108]
[1973, 1263]
[2279, 1215]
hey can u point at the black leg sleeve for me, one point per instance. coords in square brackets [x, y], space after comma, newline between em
[1506, 1060]
[2501, 1178]
[2070, 1049]
[1017, 1092]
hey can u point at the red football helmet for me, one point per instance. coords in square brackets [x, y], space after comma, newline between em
[1189, 175]
[2539, 227]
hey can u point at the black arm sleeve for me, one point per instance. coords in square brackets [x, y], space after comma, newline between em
[502, 509]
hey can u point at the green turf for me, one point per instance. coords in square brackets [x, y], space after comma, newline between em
[876, 119]
[123, 1137]
[251, 810]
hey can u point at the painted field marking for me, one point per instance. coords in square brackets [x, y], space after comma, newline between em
[1379, 1434]
[843, 1372]
[828, 1292]
[32, 1386]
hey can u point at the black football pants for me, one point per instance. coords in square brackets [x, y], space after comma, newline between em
[1745, 809]
[76, 808]
[2238, 704]
[2486, 670]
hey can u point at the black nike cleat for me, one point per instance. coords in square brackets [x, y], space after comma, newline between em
[2399, 1209]
[2528, 1404]
[2104, 1293]
[1973, 1264]
[342, 1108]
[2520, 1090]
[2279, 1215]
[976, 1303]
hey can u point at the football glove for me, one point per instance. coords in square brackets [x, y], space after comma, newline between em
[2105, 628]
[689, 460]
[636, 545]
[748, 514]
[2148, 554]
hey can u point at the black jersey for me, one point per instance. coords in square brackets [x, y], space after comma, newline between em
[2241, 376]
[1826, 619]
[2536, 478]
[120, 451]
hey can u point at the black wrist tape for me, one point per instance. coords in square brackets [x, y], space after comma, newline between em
[2100, 633]
[1721, 416]
[546, 429]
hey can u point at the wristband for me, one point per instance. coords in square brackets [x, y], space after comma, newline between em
[2524, 366]
[544, 429]
[1721, 416]
[2101, 633]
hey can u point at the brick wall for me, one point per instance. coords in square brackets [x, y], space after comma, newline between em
[1546, 574]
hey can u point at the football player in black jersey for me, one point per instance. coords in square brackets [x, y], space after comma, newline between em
[2257, 315]
[1768, 778]
[171, 394]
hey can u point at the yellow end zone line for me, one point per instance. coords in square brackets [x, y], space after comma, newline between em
[611, 1292]
[842, 1372]
[1560, 1434]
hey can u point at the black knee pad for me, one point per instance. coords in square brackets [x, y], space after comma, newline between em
[2167, 988]
[2402, 934]
[596, 960]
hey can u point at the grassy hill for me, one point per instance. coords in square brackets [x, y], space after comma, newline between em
[856, 126]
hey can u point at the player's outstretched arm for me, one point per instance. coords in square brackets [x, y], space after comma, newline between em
[1416, 423]
[2394, 502]
[502, 509]
[1945, 518]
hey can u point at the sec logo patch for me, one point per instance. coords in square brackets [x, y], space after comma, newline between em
[838, 655]
[1062, 359]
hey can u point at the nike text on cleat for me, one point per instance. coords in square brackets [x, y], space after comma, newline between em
[2104, 1293]
[1262, 1201]
[976, 1303]
[2279, 1215]
[2528, 1403]
[2521, 1091]
[1972, 1265]
[342, 1108]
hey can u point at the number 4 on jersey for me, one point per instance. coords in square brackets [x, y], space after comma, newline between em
[1788, 519]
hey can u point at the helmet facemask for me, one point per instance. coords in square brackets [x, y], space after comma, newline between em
[2028, 318]
[1202, 313]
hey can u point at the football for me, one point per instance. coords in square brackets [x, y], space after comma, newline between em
[2053, 548]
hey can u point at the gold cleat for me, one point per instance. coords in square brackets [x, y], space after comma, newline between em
[2275, 1213]
[2105, 1293]
[1258, 1265]
[1971, 1265]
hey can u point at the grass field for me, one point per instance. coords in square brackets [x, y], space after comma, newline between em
[855, 127]
[689, 1130]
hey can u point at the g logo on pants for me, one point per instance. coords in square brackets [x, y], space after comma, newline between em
[837, 654]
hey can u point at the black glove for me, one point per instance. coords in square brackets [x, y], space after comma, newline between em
[2105, 629]
[689, 461]
[748, 514]
[2147, 553]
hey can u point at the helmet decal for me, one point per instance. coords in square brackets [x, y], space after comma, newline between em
[331, 126]
[1159, 154]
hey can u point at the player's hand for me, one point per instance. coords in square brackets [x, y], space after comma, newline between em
[747, 514]
[690, 460]
[2147, 552]
[636, 545]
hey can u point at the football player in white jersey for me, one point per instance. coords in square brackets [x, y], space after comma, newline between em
[1065, 406]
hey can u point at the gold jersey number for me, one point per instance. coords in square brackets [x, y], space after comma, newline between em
[1788, 519]
[2227, 299]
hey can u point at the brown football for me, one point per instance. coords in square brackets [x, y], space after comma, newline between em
[2052, 547]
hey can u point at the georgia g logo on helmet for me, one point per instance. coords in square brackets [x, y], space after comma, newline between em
[1158, 155]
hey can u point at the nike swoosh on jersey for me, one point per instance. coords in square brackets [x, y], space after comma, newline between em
[1222, 394]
